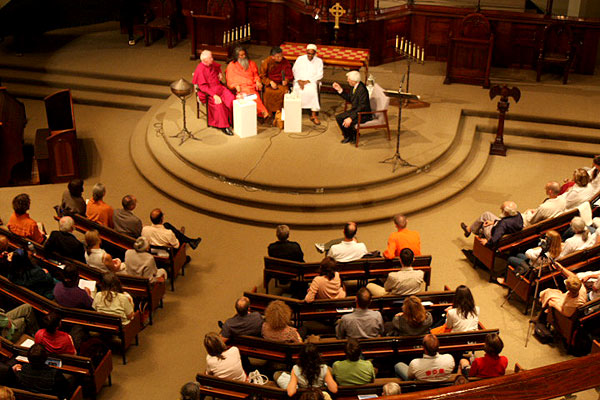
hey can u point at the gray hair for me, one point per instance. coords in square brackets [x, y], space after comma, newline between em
[354, 76]
[65, 224]
[141, 244]
[510, 208]
[98, 191]
[578, 225]
[205, 54]
[282, 232]
[391, 389]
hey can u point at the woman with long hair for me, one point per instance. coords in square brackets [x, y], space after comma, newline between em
[278, 316]
[328, 285]
[413, 320]
[463, 316]
[24, 273]
[221, 361]
[112, 300]
[580, 240]
[309, 371]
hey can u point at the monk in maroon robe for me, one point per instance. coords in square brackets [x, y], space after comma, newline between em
[275, 73]
[208, 77]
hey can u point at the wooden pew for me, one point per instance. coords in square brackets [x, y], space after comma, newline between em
[26, 395]
[362, 270]
[326, 309]
[117, 244]
[524, 286]
[139, 288]
[91, 377]
[586, 317]
[92, 320]
[380, 347]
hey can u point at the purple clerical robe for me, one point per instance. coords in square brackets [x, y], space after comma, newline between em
[207, 79]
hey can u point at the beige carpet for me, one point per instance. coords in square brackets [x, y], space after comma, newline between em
[171, 351]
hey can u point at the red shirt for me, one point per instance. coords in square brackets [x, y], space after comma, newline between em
[488, 366]
[58, 342]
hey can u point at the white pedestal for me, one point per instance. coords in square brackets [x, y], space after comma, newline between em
[292, 106]
[244, 118]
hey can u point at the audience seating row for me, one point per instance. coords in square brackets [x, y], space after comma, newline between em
[25, 395]
[361, 270]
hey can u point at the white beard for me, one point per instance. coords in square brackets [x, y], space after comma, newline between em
[244, 62]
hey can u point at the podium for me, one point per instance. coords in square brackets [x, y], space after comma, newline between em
[244, 118]
[292, 107]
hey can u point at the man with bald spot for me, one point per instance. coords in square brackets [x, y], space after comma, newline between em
[162, 233]
[491, 228]
[402, 239]
[553, 206]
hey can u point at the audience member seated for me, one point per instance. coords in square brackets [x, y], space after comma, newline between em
[21, 224]
[68, 293]
[553, 206]
[284, 248]
[433, 367]
[6, 393]
[243, 322]
[308, 71]
[112, 300]
[492, 364]
[275, 73]
[362, 322]
[405, 281]
[54, 340]
[309, 372]
[72, 202]
[97, 210]
[328, 285]
[594, 173]
[580, 240]
[4, 255]
[348, 249]
[401, 239]
[391, 389]
[414, 320]
[242, 76]
[63, 241]
[140, 262]
[98, 258]
[463, 316]
[353, 370]
[278, 316]
[190, 391]
[491, 228]
[221, 361]
[24, 273]
[36, 376]
[18, 321]
[125, 221]
[581, 191]
[162, 233]
[565, 303]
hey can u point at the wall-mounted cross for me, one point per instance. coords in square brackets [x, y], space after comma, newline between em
[337, 11]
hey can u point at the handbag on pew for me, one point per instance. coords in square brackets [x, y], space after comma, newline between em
[257, 378]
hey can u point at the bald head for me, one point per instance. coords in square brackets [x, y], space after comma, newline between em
[156, 216]
[509, 208]
[242, 305]
[3, 243]
[552, 189]
[400, 221]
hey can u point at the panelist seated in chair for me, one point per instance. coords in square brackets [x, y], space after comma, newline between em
[275, 72]
[242, 76]
[208, 77]
[308, 72]
[359, 98]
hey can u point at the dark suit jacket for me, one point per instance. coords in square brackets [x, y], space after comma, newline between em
[286, 250]
[360, 102]
[65, 244]
[505, 226]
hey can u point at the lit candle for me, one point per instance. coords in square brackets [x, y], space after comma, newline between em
[228, 37]
[224, 38]
[248, 29]
[235, 34]
[245, 30]
[414, 51]
[409, 48]
[423, 55]
[396, 41]
[418, 53]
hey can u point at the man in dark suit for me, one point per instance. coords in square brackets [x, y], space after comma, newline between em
[359, 97]
[64, 242]
[284, 248]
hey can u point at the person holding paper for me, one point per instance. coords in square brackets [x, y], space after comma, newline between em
[112, 299]
[242, 76]
[68, 293]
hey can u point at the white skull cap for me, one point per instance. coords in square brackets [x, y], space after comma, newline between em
[311, 47]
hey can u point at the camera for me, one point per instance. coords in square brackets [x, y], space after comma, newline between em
[544, 243]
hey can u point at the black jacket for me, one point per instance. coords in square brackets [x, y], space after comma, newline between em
[360, 103]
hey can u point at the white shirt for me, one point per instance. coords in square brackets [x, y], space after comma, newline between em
[457, 323]
[431, 368]
[575, 243]
[577, 195]
[158, 235]
[347, 251]
[550, 208]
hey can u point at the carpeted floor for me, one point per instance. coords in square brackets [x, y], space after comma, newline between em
[229, 259]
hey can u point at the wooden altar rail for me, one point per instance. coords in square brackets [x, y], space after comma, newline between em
[361, 270]
[91, 377]
[548, 382]
[139, 288]
[327, 309]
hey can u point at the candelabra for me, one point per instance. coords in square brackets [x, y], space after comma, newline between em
[238, 34]
[411, 53]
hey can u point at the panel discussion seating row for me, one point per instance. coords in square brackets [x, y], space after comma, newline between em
[360, 270]
[141, 289]
[117, 244]
[91, 378]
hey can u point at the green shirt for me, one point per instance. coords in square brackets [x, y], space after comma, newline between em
[8, 328]
[353, 372]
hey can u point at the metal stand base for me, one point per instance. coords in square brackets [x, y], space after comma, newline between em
[397, 161]
[184, 134]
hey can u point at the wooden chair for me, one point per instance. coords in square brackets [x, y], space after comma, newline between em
[26, 395]
[556, 48]
[162, 15]
[379, 103]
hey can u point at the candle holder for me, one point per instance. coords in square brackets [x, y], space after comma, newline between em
[239, 34]
[411, 53]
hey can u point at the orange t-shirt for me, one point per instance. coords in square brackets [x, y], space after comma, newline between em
[402, 239]
[100, 212]
[23, 225]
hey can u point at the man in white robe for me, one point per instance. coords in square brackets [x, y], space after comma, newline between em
[308, 72]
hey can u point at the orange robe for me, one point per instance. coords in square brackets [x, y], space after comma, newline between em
[246, 80]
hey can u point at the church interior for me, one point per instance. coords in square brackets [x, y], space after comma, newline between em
[232, 191]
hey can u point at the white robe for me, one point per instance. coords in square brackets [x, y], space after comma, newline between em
[312, 71]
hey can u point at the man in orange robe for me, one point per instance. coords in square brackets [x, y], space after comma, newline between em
[242, 76]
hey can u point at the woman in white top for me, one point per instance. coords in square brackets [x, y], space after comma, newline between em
[221, 361]
[581, 192]
[580, 240]
[464, 314]
[112, 300]
[99, 258]
[309, 372]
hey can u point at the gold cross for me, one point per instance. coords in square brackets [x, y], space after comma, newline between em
[337, 11]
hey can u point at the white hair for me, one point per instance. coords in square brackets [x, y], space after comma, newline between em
[205, 54]
[98, 191]
[354, 76]
[510, 208]
[65, 224]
